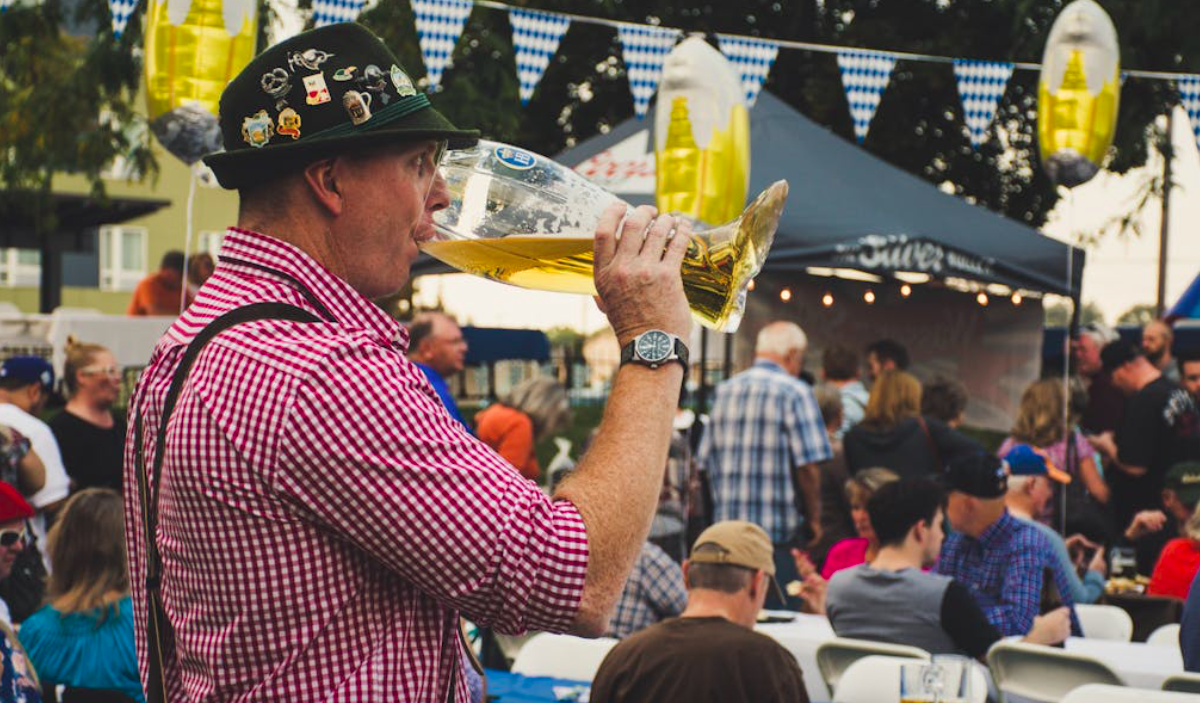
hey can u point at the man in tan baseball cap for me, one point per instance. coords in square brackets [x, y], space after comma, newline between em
[711, 652]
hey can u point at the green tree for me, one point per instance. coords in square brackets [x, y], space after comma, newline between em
[1138, 315]
[67, 103]
[1059, 314]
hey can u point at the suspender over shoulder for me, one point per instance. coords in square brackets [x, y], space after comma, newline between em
[159, 635]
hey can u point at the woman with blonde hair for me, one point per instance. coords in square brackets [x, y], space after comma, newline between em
[1042, 422]
[894, 434]
[90, 436]
[84, 637]
[535, 409]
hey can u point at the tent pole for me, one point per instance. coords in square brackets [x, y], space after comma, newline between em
[702, 400]
[1167, 148]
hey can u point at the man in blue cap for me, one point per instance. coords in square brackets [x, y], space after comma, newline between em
[26, 383]
[1029, 491]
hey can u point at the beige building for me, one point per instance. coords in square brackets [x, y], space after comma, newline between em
[103, 278]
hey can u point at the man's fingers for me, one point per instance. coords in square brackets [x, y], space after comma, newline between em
[605, 244]
[656, 237]
[633, 233]
[678, 246]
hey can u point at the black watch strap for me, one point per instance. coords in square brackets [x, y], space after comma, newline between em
[681, 352]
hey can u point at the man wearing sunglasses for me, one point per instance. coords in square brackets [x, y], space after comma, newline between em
[18, 681]
[358, 519]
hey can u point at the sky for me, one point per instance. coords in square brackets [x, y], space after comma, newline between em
[1121, 271]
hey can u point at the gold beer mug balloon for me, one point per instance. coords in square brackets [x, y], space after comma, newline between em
[522, 219]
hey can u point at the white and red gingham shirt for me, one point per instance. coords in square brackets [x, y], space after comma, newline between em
[322, 519]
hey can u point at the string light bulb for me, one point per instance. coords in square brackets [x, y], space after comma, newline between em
[905, 290]
[750, 285]
[827, 300]
[785, 294]
[982, 298]
[1017, 299]
[869, 296]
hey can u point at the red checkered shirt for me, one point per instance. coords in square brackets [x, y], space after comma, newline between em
[323, 521]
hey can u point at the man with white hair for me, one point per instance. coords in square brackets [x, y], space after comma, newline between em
[765, 437]
[1105, 403]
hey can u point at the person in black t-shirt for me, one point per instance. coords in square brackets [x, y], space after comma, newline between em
[711, 653]
[90, 436]
[1161, 428]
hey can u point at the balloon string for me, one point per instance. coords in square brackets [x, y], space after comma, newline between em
[187, 242]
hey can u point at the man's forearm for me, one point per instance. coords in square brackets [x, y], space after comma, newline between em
[617, 483]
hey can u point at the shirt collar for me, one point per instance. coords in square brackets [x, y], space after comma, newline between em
[265, 254]
[769, 365]
[997, 531]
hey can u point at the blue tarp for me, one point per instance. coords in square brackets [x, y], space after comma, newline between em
[1188, 306]
[488, 344]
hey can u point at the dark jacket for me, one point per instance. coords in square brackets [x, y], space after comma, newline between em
[906, 449]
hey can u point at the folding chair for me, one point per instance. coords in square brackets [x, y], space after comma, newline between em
[1044, 674]
[1105, 622]
[836, 655]
[1101, 693]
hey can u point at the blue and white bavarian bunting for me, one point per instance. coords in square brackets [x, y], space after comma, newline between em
[439, 26]
[865, 75]
[644, 49]
[121, 10]
[981, 84]
[1189, 93]
[535, 39]
[752, 58]
[335, 11]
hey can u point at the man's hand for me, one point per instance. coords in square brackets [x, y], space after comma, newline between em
[1078, 546]
[1098, 564]
[1051, 628]
[1145, 523]
[1105, 444]
[637, 274]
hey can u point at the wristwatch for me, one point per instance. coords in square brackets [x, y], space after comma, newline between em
[655, 348]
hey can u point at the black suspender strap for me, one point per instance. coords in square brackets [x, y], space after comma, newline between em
[159, 634]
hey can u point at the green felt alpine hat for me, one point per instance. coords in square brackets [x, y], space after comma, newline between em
[318, 94]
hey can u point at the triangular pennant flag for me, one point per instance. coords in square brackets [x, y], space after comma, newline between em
[1189, 92]
[335, 11]
[865, 75]
[644, 49]
[121, 10]
[535, 40]
[752, 58]
[439, 25]
[981, 84]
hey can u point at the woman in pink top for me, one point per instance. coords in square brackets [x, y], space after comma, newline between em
[853, 551]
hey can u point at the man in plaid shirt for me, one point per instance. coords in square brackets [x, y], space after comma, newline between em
[322, 521]
[764, 438]
[653, 592]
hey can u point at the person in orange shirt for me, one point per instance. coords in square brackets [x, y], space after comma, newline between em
[159, 293]
[535, 409]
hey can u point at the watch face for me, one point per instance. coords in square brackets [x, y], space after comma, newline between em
[654, 346]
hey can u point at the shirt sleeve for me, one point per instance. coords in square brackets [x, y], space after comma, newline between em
[1020, 595]
[368, 451]
[805, 430]
[966, 624]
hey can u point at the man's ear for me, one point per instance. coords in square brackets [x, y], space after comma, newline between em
[322, 179]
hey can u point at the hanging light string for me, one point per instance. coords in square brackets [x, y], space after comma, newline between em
[812, 46]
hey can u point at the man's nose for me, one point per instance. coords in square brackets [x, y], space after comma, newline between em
[439, 195]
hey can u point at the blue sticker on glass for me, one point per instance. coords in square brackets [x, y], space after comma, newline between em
[515, 158]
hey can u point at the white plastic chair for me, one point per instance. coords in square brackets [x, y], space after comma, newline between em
[1101, 693]
[1165, 636]
[1183, 683]
[1044, 674]
[876, 678]
[562, 656]
[1105, 622]
[836, 655]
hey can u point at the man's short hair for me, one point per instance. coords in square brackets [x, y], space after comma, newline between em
[839, 363]
[889, 350]
[173, 260]
[1189, 357]
[724, 578]
[944, 398]
[779, 338]
[899, 505]
[421, 328]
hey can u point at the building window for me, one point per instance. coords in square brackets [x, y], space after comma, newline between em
[122, 257]
[20, 268]
[209, 242]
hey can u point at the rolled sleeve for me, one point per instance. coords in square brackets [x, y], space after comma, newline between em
[370, 453]
[805, 429]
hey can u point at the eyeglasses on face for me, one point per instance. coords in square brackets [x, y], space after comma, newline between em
[10, 537]
[114, 371]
